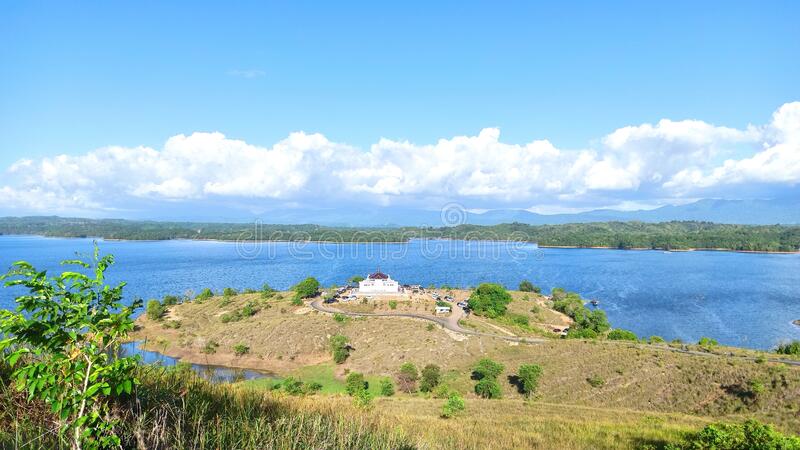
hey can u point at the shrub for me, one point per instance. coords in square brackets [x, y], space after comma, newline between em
[70, 324]
[790, 348]
[527, 286]
[741, 436]
[486, 368]
[618, 334]
[656, 340]
[224, 302]
[442, 391]
[489, 300]
[339, 348]
[241, 349]
[339, 317]
[267, 292]
[363, 399]
[170, 300]
[430, 327]
[387, 387]
[452, 406]
[174, 324]
[393, 304]
[488, 388]
[707, 342]
[210, 347]
[155, 310]
[229, 292]
[581, 333]
[355, 383]
[519, 319]
[205, 294]
[407, 377]
[249, 309]
[596, 381]
[430, 377]
[305, 289]
[529, 378]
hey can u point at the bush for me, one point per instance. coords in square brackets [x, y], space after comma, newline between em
[745, 436]
[443, 391]
[355, 383]
[486, 368]
[488, 388]
[339, 348]
[393, 304]
[596, 381]
[453, 405]
[387, 387]
[205, 294]
[339, 317]
[791, 348]
[305, 289]
[489, 300]
[656, 340]
[529, 378]
[229, 292]
[581, 333]
[619, 334]
[174, 324]
[267, 292]
[527, 286]
[519, 319]
[431, 375]
[170, 300]
[210, 348]
[407, 377]
[363, 399]
[241, 349]
[707, 342]
[155, 310]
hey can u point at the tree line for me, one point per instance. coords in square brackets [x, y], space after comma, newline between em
[620, 235]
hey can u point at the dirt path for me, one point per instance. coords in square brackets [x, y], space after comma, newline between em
[450, 323]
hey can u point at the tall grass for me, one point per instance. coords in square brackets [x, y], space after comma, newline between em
[177, 410]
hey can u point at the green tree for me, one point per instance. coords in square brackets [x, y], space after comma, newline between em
[60, 341]
[355, 383]
[155, 310]
[452, 406]
[430, 377]
[486, 368]
[229, 292]
[488, 388]
[205, 294]
[789, 348]
[489, 300]
[527, 286]
[407, 377]
[306, 289]
[340, 349]
[170, 300]
[618, 334]
[355, 279]
[387, 387]
[529, 378]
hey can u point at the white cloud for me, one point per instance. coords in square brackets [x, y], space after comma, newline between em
[633, 165]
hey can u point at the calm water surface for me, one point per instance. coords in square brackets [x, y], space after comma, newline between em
[739, 299]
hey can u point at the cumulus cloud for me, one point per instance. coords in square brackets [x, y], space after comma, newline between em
[666, 160]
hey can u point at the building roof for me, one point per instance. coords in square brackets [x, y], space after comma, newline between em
[378, 276]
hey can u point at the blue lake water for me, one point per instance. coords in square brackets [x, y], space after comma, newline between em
[739, 299]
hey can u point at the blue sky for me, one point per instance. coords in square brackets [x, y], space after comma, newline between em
[80, 76]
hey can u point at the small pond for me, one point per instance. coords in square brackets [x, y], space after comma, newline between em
[215, 374]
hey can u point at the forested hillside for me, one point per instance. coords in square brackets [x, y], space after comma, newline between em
[623, 235]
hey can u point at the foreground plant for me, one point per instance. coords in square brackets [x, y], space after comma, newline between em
[61, 341]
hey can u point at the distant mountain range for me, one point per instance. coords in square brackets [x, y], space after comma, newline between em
[752, 212]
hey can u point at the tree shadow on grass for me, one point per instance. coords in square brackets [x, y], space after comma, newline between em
[516, 381]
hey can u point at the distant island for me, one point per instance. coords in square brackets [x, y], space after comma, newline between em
[685, 235]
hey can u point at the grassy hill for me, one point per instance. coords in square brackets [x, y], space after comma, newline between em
[592, 394]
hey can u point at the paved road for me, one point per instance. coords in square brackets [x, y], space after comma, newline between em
[450, 323]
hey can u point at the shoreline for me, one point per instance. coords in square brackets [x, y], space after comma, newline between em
[567, 247]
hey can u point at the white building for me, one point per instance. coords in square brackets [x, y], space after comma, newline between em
[378, 283]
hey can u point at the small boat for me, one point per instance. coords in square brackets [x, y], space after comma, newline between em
[594, 302]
